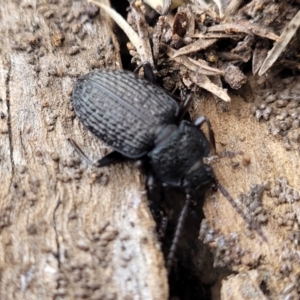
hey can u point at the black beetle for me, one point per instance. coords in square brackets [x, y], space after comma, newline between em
[139, 120]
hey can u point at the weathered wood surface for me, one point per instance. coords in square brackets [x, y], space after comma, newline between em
[68, 231]
[271, 266]
[71, 231]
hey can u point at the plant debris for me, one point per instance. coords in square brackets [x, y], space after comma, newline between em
[281, 44]
[209, 47]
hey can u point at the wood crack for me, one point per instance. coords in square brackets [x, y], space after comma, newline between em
[9, 121]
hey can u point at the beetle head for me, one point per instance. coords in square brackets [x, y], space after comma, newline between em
[200, 175]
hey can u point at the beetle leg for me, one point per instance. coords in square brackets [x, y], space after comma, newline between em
[150, 181]
[80, 152]
[148, 71]
[110, 158]
[199, 122]
[178, 232]
[163, 227]
[183, 110]
[159, 215]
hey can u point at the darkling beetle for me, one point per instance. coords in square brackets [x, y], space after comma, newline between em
[141, 121]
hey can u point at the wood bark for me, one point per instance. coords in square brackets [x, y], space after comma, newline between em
[68, 231]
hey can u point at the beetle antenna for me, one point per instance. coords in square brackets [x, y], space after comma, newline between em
[229, 154]
[252, 225]
[178, 231]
